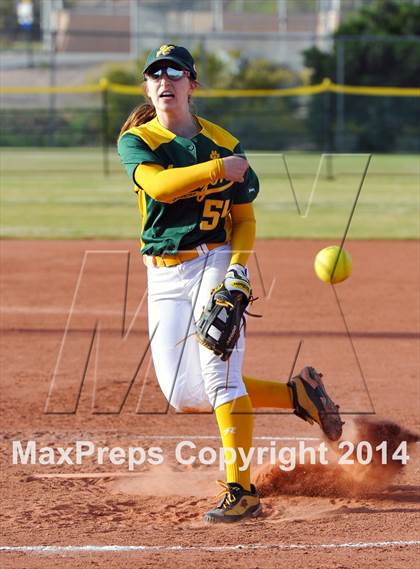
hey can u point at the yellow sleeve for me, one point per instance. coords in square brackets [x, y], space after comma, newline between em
[167, 185]
[243, 232]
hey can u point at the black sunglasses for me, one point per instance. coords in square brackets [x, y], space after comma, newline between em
[171, 73]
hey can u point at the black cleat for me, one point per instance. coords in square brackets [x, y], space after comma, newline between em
[235, 505]
[312, 402]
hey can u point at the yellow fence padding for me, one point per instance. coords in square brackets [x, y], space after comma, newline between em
[327, 86]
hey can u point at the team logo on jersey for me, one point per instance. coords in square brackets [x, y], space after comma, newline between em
[201, 193]
[164, 50]
[214, 155]
[207, 190]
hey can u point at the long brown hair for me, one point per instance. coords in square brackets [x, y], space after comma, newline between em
[139, 115]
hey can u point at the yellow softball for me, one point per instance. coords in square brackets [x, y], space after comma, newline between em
[332, 264]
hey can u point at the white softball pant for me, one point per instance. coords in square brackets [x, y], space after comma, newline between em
[191, 376]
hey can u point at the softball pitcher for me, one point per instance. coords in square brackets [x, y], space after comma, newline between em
[195, 191]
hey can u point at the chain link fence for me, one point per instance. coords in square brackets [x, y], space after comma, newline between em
[302, 118]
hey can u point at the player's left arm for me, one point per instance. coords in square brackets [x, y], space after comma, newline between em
[242, 214]
[243, 233]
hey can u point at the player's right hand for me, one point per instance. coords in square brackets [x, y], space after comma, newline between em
[235, 168]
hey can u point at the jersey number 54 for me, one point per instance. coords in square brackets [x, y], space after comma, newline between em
[213, 211]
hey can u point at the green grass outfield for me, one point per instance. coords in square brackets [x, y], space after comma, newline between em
[63, 193]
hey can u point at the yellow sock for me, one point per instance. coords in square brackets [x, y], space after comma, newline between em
[236, 421]
[268, 393]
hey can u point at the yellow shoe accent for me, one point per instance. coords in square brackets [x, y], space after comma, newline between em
[235, 505]
[312, 403]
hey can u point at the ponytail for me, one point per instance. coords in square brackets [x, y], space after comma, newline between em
[138, 116]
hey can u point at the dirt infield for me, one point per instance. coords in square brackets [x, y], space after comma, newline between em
[96, 384]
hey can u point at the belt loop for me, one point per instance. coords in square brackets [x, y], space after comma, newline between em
[148, 260]
[202, 249]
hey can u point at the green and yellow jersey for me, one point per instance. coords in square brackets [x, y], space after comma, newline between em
[186, 219]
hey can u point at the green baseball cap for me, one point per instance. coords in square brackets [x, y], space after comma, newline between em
[175, 53]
